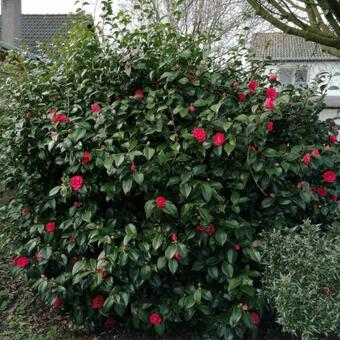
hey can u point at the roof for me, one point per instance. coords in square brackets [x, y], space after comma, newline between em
[41, 28]
[284, 47]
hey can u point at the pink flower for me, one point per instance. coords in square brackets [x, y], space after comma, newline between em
[333, 139]
[76, 182]
[110, 324]
[50, 227]
[77, 204]
[242, 97]
[322, 192]
[38, 256]
[270, 126]
[315, 152]
[269, 104]
[299, 185]
[133, 167]
[246, 308]
[256, 319]
[174, 237]
[56, 118]
[155, 319]
[218, 139]
[201, 228]
[57, 303]
[86, 157]
[199, 134]
[211, 230]
[253, 148]
[237, 247]
[271, 93]
[272, 77]
[329, 176]
[102, 272]
[25, 211]
[98, 301]
[21, 261]
[252, 86]
[306, 159]
[192, 109]
[160, 202]
[95, 107]
[139, 95]
[178, 256]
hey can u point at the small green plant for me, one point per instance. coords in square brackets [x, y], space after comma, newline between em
[302, 279]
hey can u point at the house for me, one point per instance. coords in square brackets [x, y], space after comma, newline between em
[298, 62]
[17, 29]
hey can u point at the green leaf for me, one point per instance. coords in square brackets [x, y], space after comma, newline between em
[206, 191]
[131, 229]
[118, 158]
[54, 190]
[198, 295]
[200, 103]
[148, 207]
[138, 177]
[127, 184]
[221, 237]
[86, 216]
[157, 241]
[254, 255]
[227, 269]
[148, 152]
[229, 148]
[160, 329]
[170, 209]
[267, 202]
[185, 189]
[170, 251]
[234, 283]
[213, 272]
[173, 265]
[183, 81]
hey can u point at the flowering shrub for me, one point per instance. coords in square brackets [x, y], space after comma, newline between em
[302, 279]
[145, 172]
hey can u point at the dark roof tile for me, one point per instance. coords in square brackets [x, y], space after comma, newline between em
[280, 46]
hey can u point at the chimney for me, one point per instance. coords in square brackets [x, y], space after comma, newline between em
[11, 22]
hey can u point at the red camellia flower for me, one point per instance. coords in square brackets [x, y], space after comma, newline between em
[329, 176]
[256, 319]
[102, 272]
[110, 324]
[270, 126]
[72, 239]
[272, 77]
[57, 303]
[199, 134]
[315, 152]
[160, 202]
[133, 167]
[25, 211]
[139, 95]
[50, 227]
[98, 301]
[76, 182]
[56, 118]
[299, 185]
[333, 139]
[322, 192]
[306, 159]
[192, 109]
[86, 157]
[237, 247]
[38, 256]
[174, 237]
[155, 319]
[201, 228]
[253, 148]
[95, 107]
[21, 261]
[334, 198]
[242, 97]
[74, 260]
[271, 93]
[269, 104]
[178, 256]
[77, 204]
[218, 139]
[211, 230]
[252, 86]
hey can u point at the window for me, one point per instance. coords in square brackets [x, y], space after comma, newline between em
[297, 75]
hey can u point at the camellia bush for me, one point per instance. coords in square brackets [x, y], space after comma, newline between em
[144, 171]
